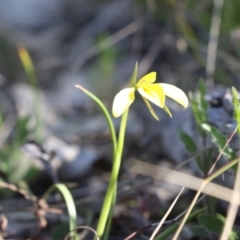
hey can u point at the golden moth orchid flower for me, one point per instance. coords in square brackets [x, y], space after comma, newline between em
[150, 91]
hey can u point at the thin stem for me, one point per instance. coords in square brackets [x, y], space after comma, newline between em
[166, 215]
[114, 176]
[106, 114]
[188, 213]
[110, 198]
[109, 222]
[213, 41]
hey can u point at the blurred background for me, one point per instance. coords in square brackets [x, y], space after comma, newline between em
[96, 44]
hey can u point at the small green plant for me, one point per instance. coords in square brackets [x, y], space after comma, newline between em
[150, 91]
[199, 109]
[213, 223]
[10, 152]
[32, 78]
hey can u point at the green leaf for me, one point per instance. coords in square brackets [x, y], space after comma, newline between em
[199, 113]
[22, 130]
[69, 202]
[215, 224]
[203, 91]
[190, 145]
[199, 105]
[59, 231]
[236, 103]
[211, 223]
[188, 141]
[220, 140]
[133, 79]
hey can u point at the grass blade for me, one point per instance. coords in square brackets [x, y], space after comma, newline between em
[67, 196]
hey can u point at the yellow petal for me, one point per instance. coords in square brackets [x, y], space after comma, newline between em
[175, 93]
[122, 101]
[147, 79]
[165, 108]
[154, 93]
[150, 108]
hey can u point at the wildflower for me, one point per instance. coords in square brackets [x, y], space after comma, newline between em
[150, 91]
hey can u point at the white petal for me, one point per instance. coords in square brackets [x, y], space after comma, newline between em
[175, 93]
[122, 101]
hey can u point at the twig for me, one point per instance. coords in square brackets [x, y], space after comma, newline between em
[19, 190]
[213, 41]
[166, 215]
[232, 209]
[193, 156]
[221, 153]
[105, 44]
[152, 54]
[183, 179]
[165, 225]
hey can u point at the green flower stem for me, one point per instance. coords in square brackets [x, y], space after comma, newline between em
[106, 114]
[111, 191]
[110, 198]
[109, 222]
